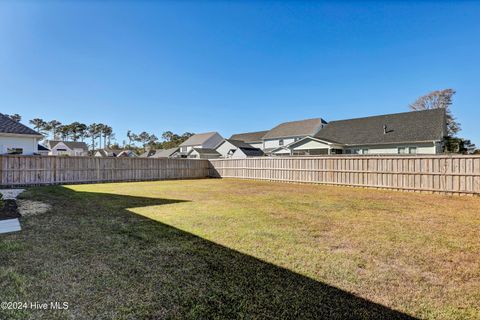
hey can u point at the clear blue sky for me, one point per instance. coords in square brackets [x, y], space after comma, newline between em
[234, 66]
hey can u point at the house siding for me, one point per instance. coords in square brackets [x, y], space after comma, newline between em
[224, 148]
[28, 144]
[422, 148]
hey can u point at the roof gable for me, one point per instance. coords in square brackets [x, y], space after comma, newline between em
[300, 128]
[8, 125]
[416, 126]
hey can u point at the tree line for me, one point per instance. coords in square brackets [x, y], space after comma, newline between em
[102, 136]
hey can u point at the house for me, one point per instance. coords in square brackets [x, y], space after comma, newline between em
[107, 153]
[417, 132]
[127, 154]
[148, 153]
[67, 148]
[229, 146]
[208, 140]
[252, 138]
[243, 152]
[166, 153]
[42, 150]
[289, 132]
[203, 153]
[16, 138]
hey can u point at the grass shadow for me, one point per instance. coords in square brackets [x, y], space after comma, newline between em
[110, 262]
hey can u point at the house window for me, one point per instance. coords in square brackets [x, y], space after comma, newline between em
[364, 151]
[14, 150]
[280, 142]
[402, 150]
[413, 150]
[184, 149]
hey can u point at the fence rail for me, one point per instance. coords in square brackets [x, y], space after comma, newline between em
[38, 170]
[452, 174]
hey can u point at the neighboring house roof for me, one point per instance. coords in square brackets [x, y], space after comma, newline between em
[164, 153]
[70, 144]
[251, 152]
[109, 152]
[148, 153]
[300, 128]
[236, 143]
[42, 148]
[127, 153]
[416, 126]
[198, 139]
[206, 151]
[8, 125]
[249, 136]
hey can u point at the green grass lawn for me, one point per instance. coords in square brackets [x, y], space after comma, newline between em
[242, 249]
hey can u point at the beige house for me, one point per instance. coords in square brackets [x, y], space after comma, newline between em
[67, 148]
[418, 132]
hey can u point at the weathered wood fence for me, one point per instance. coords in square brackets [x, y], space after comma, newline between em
[37, 170]
[455, 174]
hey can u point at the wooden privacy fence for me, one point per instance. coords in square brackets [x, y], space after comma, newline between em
[37, 170]
[440, 173]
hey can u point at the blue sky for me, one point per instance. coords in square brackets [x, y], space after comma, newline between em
[234, 66]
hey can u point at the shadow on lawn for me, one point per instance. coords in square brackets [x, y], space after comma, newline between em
[195, 278]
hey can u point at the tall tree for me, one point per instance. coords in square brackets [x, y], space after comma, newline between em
[52, 126]
[16, 117]
[77, 130]
[131, 137]
[94, 132]
[144, 137]
[439, 99]
[107, 131]
[38, 124]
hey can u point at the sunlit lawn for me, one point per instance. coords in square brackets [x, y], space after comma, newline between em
[233, 248]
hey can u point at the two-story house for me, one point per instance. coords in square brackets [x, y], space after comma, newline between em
[289, 132]
[207, 141]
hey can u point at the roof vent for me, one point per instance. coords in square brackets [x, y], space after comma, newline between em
[384, 129]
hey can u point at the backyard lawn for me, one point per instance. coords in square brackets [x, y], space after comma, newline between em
[243, 249]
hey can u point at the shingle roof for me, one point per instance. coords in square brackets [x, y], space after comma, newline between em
[42, 148]
[206, 151]
[428, 125]
[8, 125]
[300, 128]
[109, 152]
[249, 136]
[164, 153]
[70, 144]
[238, 143]
[252, 152]
[198, 139]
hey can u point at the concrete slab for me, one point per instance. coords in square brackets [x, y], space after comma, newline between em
[9, 225]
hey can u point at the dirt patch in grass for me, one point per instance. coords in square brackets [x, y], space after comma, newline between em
[29, 208]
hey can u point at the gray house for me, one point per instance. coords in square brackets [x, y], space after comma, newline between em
[229, 147]
[208, 140]
[417, 132]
